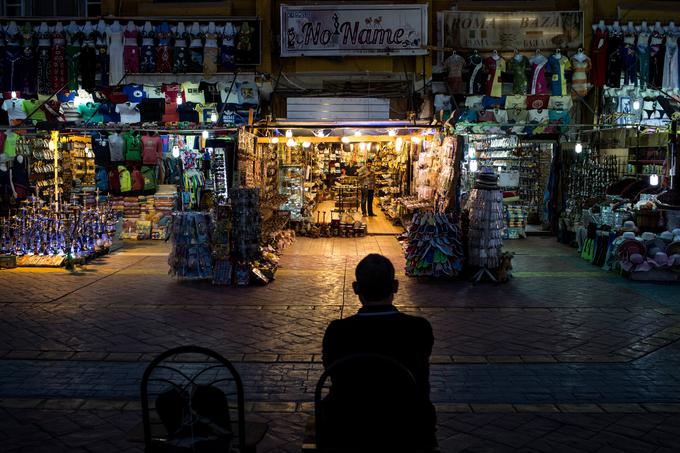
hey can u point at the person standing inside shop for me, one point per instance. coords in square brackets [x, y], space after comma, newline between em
[367, 184]
[380, 328]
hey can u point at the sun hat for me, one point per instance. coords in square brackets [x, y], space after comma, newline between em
[629, 235]
[660, 260]
[639, 262]
[667, 236]
[629, 225]
[673, 248]
[630, 247]
[648, 236]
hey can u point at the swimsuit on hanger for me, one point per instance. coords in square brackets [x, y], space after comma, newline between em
[579, 75]
[599, 57]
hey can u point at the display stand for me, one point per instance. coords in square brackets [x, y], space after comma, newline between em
[486, 224]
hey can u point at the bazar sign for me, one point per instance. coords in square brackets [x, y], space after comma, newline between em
[339, 30]
[508, 31]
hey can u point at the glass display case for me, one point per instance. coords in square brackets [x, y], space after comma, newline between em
[291, 184]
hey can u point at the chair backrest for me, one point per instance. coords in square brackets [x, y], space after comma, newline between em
[185, 369]
[372, 399]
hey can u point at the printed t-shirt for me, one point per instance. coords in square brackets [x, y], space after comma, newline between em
[248, 93]
[171, 91]
[31, 108]
[116, 147]
[134, 92]
[129, 113]
[205, 112]
[211, 92]
[187, 113]
[70, 112]
[100, 147]
[152, 149]
[109, 114]
[154, 92]
[229, 97]
[10, 146]
[191, 92]
[15, 109]
[133, 146]
[90, 112]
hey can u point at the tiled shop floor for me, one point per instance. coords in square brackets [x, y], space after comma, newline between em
[520, 365]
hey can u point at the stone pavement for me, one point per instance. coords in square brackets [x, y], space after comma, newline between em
[565, 357]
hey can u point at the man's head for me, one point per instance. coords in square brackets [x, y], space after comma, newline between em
[375, 283]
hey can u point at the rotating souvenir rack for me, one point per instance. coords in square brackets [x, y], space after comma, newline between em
[40, 236]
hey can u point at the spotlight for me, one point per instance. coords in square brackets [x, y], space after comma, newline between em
[654, 180]
[578, 148]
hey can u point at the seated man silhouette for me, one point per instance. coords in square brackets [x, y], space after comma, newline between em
[370, 401]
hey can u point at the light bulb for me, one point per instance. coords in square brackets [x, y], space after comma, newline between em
[275, 140]
[289, 133]
[654, 180]
[471, 152]
[473, 166]
[205, 134]
[578, 148]
[213, 117]
[14, 94]
[290, 142]
[415, 140]
[636, 105]
[392, 132]
[175, 151]
[306, 144]
[399, 142]
[357, 133]
[179, 100]
[51, 146]
[88, 153]
[344, 140]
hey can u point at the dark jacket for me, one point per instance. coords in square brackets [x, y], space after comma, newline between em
[386, 331]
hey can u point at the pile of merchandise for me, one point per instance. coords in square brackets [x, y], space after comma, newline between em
[433, 245]
[190, 258]
[646, 256]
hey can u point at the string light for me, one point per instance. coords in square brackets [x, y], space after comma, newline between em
[275, 140]
[289, 133]
[654, 180]
[175, 151]
[578, 148]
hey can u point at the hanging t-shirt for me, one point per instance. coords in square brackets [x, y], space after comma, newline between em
[10, 146]
[137, 179]
[560, 102]
[187, 112]
[191, 92]
[133, 146]
[152, 109]
[516, 101]
[70, 112]
[124, 178]
[538, 101]
[230, 116]
[15, 109]
[154, 92]
[211, 92]
[109, 114]
[205, 112]
[90, 112]
[171, 91]
[134, 92]
[227, 96]
[538, 116]
[152, 149]
[31, 107]
[129, 113]
[248, 93]
[100, 147]
[116, 147]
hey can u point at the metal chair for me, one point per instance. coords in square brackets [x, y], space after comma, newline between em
[382, 404]
[181, 371]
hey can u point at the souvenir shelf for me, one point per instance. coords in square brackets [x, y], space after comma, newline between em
[78, 161]
[291, 184]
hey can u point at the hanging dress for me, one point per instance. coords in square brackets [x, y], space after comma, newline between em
[614, 59]
[630, 63]
[131, 51]
[44, 63]
[557, 66]
[579, 76]
[102, 58]
[88, 62]
[494, 67]
[210, 51]
[539, 84]
[227, 50]
[73, 60]
[163, 50]
[116, 71]
[671, 73]
[474, 71]
[599, 58]
[454, 65]
[519, 67]
[643, 58]
[656, 59]
[196, 53]
[148, 52]
[181, 53]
